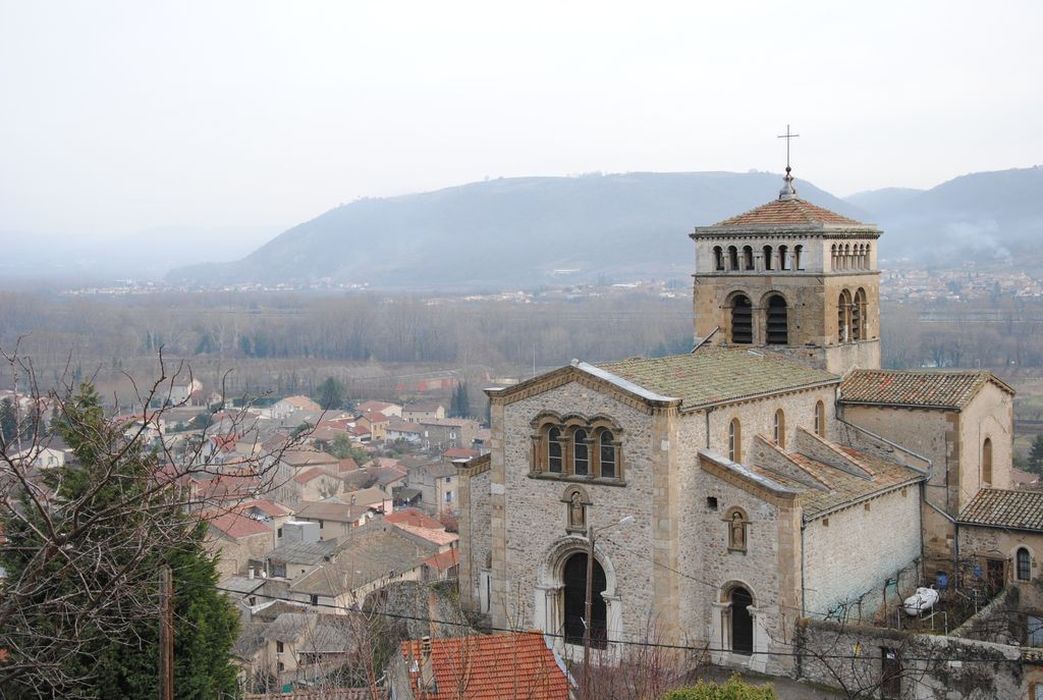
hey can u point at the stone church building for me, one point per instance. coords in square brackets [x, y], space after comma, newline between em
[772, 474]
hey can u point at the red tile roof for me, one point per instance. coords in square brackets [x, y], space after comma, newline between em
[444, 560]
[268, 507]
[491, 667]
[1021, 510]
[235, 525]
[945, 389]
[460, 453]
[412, 516]
[788, 212]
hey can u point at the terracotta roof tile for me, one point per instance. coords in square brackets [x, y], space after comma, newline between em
[414, 517]
[235, 525]
[1022, 510]
[946, 389]
[713, 375]
[788, 212]
[491, 667]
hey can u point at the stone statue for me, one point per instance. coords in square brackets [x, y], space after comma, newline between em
[577, 512]
[738, 531]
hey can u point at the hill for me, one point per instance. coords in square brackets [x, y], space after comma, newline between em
[509, 232]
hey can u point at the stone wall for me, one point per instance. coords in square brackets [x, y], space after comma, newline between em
[848, 657]
[475, 534]
[980, 543]
[850, 554]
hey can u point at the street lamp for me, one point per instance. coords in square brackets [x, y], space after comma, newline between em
[591, 532]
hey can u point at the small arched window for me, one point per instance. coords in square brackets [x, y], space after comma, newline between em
[986, 461]
[1023, 561]
[779, 428]
[846, 264]
[798, 257]
[747, 257]
[607, 454]
[833, 257]
[767, 257]
[718, 259]
[554, 450]
[783, 257]
[733, 258]
[742, 320]
[735, 440]
[820, 419]
[580, 453]
[777, 321]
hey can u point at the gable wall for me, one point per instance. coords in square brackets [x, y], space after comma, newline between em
[989, 414]
[534, 517]
[849, 559]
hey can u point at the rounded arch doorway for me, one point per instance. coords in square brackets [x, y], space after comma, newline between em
[742, 621]
[574, 599]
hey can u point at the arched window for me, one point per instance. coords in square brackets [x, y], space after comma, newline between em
[735, 440]
[574, 578]
[820, 419]
[798, 257]
[580, 453]
[1023, 561]
[733, 258]
[742, 320]
[554, 461]
[844, 317]
[747, 257]
[778, 322]
[846, 264]
[869, 257]
[858, 315]
[783, 257]
[718, 258]
[861, 257]
[742, 621]
[607, 454]
[986, 461]
[833, 265]
[779, 429]
[767, 257]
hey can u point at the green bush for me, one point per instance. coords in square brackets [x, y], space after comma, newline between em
[734, 689]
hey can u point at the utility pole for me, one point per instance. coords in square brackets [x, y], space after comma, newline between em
[586, 612]
[166, 634]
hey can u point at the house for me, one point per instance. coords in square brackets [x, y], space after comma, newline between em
[391, 410]
[304, 647]
[423, 410]
[442, 566]
[335, 518]
[405, 431]
[479, 667]
[438, 484]
[447, 433]
[41, 457]
[417, 523]
[239, 541]
[376, 423]
[1002, 532]
[293, 406]
[318, 483]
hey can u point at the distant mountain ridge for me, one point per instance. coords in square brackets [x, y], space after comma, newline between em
[526, 232]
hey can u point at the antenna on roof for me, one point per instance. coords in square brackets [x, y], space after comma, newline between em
[787, 191]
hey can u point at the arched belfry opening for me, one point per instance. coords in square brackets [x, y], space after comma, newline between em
[777, 321]
[574, 579]
[742, 320]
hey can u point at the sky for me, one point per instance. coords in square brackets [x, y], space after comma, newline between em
[249, 117]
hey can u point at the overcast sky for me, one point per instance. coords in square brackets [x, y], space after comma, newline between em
[123, 116]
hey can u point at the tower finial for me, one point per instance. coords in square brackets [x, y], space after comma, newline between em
[787, 191]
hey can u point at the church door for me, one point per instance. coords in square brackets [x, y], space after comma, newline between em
[575, 580]
[742, 621]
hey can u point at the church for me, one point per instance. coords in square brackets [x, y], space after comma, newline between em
[774, 473]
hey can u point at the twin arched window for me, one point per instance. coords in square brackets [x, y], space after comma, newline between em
[583, 451]
[851, 316]
[776, 320]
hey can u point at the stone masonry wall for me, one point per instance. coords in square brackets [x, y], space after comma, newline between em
[849, 555]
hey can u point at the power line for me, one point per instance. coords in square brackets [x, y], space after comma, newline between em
[554, 635]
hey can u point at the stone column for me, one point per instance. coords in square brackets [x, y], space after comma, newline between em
[545, 608]
[761, 640]
[720, 633]
[614, 622]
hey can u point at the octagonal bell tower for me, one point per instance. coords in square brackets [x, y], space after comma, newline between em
[791, 277]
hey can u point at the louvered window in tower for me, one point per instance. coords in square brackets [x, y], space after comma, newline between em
[742, 320]
[778, 328]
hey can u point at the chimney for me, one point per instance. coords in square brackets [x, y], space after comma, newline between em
[250, 573]
[427, 671]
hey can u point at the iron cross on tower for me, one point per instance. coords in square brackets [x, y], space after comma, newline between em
[788, 136]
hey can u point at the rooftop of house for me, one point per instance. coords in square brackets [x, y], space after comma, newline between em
[443, 561]
[1003, 508]
[413, 517]
[713, 375]
[236, 525]
[426, 406]
[308, 553]
[398, 425]
[379, 406]
[492, 666]
[437, 536]
[267, 506]
[308, 458]
[333, 510]
[460, 453]
[311, 633]
[371, 552]
[312, 473]
[941, 389]
[302, 403]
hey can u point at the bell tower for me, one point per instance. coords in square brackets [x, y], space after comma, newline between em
[790, 277]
